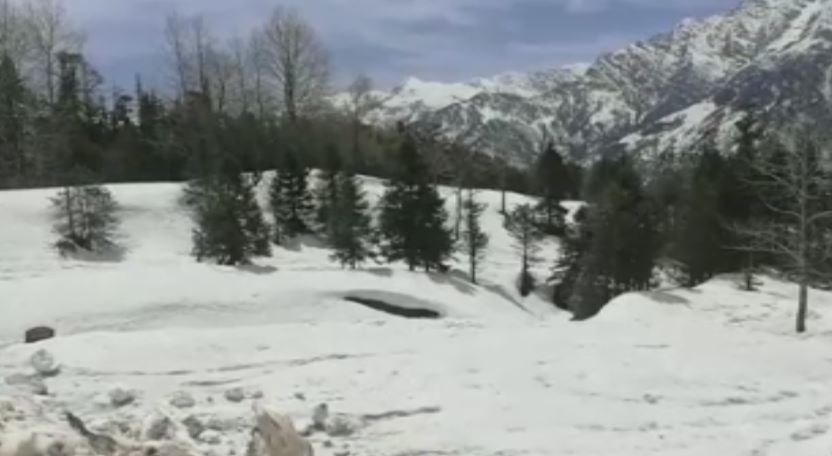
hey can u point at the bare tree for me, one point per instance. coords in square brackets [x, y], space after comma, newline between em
[297, 61]
[13, 39]
[257, 62]
[176, 39]
[794, 187]
[50, 33]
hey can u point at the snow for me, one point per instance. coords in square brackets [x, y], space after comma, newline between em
[713, 370]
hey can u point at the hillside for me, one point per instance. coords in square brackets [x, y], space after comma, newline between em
[667, 92]
[707, 371]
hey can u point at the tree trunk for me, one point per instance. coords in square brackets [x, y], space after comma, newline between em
[802, 306]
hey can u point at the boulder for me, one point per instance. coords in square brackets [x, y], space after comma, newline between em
[44, 363]
[320, 415]
[276, 436]
[158, 426]
[194, 426]
[182, 399]
[38, 334]
[120, 397]
[235, 395]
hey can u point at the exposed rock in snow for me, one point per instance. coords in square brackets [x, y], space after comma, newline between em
[182, 399]
[194, 426]
[320, 415]
[235, 395]
[341, 425]
[276, 436]
[119, 397]
[44, 363]
[38, 334]
[158, 426]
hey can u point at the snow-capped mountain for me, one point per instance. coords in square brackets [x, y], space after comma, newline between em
[668, 91]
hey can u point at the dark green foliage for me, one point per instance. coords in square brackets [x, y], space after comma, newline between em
[567, 269]
[702, 241]
[85, 218]
[350, 221]
[413, 216]
[326, 193]
[553, 182]
[290, 199]
[474, 239]
[230, 227]
[12, 123]
[523, 227]
[624, 243]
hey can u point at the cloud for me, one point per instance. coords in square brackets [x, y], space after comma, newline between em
[392, 39]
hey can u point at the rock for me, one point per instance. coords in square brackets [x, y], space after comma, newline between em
[276, 435]
[120, 397]
[44, 363]
[211, 437]
[158, 426]
[320, 415]
[342, 426]
[31, 383]
[235, 395]
[182, 399]
[300, 396]
[38, 334]
[194, 426]
[257, 394]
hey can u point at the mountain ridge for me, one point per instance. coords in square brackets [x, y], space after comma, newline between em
[668, 91]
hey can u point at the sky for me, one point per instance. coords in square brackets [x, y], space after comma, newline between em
[390, 40]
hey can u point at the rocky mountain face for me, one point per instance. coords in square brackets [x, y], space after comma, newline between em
[668, 92]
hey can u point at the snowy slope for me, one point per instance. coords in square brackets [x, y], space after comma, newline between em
[772, 55]
[711, 371]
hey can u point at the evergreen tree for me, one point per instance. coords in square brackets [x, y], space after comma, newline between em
[553, 181]
[625, 240]
[523, 227]
[350, 221]
[413, 215]
[230, 227]
[326, 193]
[12, 122]
[85, 218]
[473, 237]
[574, 245]
[702, 242]
[291, 200]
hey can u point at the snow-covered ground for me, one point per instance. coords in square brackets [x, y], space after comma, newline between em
[710, 371]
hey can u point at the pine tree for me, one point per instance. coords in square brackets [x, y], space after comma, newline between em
[85, 218]
[553, 181]
[567, 270]
[230, 227]
[473, 237]
[701, 239]
[291, 200]
[624, 240]
[326, 193]
[12, 122]
[350, 221]
[523, 227]
[413, 215]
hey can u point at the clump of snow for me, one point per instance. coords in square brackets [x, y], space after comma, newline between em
[119, 397]
[44, 363]
[182, 400]
[235, 395]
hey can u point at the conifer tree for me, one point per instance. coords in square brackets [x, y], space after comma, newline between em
[85, 217]
[474, 238]
[351, 224]
[291, 200]
[326, 193]
[553, 181]
[413, 216]
[523, 227]
[624, 240]
[12, 122]
[229, 225]
[701, 240]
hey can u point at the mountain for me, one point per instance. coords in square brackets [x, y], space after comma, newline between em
[667, 92]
